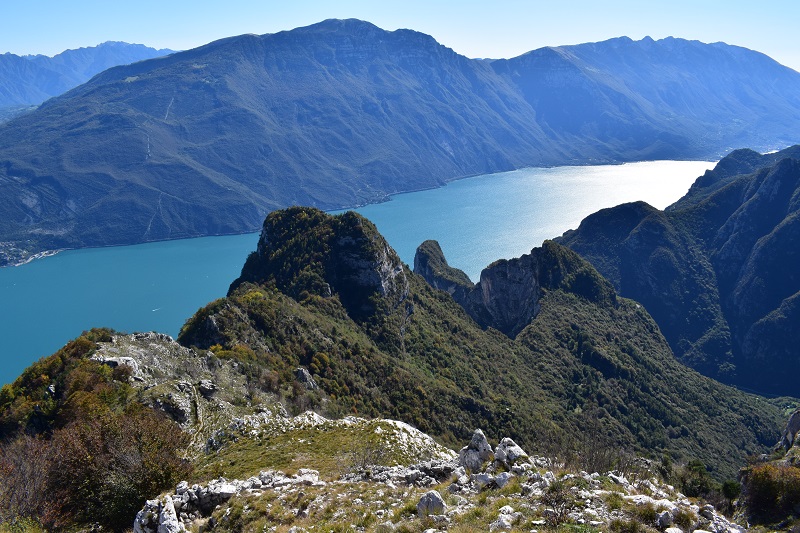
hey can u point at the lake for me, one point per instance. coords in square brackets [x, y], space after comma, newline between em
[157, 286]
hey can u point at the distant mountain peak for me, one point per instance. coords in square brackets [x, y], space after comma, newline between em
[343, 113]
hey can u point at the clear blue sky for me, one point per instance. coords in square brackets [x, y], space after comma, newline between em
[498, 28]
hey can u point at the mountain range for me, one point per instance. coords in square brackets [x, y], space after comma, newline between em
[27, 81]
[343, 113]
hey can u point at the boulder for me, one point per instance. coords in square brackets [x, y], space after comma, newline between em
[508, 452]
[664, 519]
[502, 479]
[707, 511]
[503, 523]
[481, 480]
[168, 520]
[158, 517]
[207, 388]
[473, 456]
[431, 503]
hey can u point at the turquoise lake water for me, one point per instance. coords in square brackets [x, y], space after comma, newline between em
[157, 286]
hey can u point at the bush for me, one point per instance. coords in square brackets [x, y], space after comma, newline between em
[23, 482]
[771, 491]
[694, 481]
[684, 518]
[103, 469]
[558, 498]
[93, 470]
[619, 525]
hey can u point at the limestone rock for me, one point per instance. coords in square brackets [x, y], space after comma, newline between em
[707, 511]
[790, 433]
[502, 479]
[304, 376]
[430, 263]
[664, 519]
[158, 517]
[431, 503]
[503, 523]
[476, 453]
[207, 388]
[168, 520]
[508, 452]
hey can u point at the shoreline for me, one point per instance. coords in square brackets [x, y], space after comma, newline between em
[383, 199]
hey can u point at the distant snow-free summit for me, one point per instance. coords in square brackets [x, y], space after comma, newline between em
[343, 113]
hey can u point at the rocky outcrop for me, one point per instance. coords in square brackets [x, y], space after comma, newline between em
[343, 255]
[790, 433]
[473, 456]
[304, 376]
[190, 386]
[158, 516]
[431, 503]
[430, 263]
[509, 453]
[507, 296]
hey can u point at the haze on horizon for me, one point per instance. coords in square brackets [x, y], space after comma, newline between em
[474, 28]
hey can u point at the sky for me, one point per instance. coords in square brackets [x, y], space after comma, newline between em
[495, 29]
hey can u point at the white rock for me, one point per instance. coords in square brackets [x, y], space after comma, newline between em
[481, 480]
[664, 519]
[618, 478]
[168, 520]
[475, 453]
[502, 479]
[431, 503]
[503, 522]
[508, 452]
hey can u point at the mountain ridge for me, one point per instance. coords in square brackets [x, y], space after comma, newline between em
[714, 268]
[29, 80]
[340, 114]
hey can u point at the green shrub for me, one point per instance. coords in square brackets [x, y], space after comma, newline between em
[619, 525]
[558, 498]
[684, 518]
[646, 513]
[771, 491]
[614, 501]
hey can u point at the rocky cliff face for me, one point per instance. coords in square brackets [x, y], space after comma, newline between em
[430, 263]
[343, 256]
[508, 293]
[196, 389]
